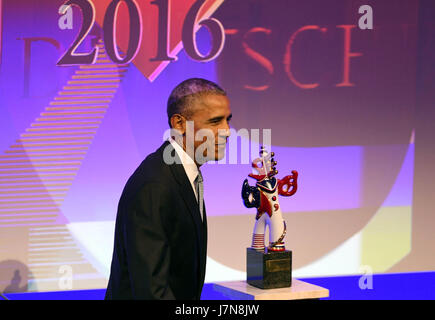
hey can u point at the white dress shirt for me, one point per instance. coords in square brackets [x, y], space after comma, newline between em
[189, 165]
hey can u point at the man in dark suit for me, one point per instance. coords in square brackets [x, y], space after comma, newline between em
[160, 248]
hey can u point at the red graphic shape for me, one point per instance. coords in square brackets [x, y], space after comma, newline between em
[150, 29]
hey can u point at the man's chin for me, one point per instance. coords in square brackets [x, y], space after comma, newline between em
[206, 159]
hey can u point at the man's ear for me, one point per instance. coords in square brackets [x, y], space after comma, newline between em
[178, 122]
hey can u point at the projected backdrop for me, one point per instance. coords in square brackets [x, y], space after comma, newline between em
[83, 90]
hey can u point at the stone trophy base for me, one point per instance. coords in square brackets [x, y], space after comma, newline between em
[269, 270]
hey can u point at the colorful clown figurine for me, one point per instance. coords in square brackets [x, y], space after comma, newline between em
[264, 197]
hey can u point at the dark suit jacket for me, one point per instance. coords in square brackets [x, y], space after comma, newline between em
[160, 245]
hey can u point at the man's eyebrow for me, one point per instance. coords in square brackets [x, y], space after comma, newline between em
[219, 118]
[215, 119]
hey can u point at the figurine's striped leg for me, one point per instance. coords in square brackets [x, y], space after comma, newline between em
[258, 235]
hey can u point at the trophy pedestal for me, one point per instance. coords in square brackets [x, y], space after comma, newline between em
[269, 270]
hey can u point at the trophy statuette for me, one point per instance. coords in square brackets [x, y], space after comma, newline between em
[268, 267]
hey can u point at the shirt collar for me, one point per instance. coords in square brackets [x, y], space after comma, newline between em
[189, 165]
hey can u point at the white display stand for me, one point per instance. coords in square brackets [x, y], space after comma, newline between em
[241, 290]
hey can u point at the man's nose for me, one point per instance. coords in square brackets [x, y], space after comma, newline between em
[226, 129]
[225, 132]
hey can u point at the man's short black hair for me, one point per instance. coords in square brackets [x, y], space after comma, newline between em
[182, 97]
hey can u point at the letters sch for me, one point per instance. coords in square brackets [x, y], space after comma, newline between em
[287, 59]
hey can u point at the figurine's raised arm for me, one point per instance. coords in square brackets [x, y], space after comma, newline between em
[288, 185]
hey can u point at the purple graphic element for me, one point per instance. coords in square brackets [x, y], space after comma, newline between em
[401, 192]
